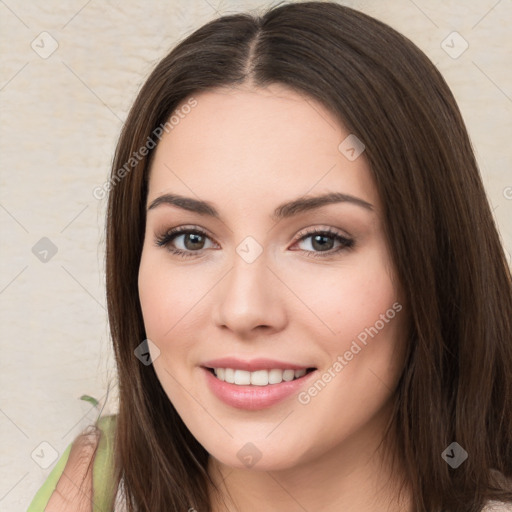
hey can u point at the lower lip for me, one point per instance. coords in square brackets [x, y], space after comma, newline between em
[254, 397]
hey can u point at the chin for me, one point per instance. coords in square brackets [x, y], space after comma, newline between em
[257, 456]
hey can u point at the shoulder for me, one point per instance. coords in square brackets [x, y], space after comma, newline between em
[501, 481]
[74, 490]
[82, 471]
[497, 506]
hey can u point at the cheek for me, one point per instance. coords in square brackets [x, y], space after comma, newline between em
[166, 296]
[154, 297]
[339, 301]
[366, 296]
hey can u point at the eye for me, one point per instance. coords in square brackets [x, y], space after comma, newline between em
[322, 242]
[192, 238]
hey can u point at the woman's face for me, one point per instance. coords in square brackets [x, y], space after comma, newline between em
[266, 286]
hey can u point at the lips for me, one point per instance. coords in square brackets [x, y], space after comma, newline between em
[254, 397]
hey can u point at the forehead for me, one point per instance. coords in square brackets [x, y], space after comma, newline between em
[256, 146]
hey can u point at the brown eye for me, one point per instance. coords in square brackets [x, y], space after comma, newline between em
[196, 241]
[191, 241]
[323, 241]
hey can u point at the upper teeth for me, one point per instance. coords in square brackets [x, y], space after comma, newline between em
[257, 378]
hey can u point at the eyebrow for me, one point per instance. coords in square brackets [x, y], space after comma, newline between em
[285, 210]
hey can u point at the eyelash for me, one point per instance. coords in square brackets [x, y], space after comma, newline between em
[165, 239]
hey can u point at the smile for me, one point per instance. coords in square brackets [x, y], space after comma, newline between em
[255, 390]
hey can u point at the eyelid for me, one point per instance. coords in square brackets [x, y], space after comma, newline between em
[322, 229]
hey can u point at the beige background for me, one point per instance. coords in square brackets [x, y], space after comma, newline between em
[59, 120]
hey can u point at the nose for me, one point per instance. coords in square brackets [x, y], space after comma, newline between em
[250, 299]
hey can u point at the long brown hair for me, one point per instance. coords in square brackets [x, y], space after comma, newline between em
[457, 381]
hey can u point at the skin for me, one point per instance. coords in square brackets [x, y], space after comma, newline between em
[246, 150]
[74, 490]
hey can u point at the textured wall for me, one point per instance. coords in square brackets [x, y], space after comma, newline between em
[60, 116]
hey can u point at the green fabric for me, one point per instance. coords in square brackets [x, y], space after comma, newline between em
[102, 472]
[43, 495]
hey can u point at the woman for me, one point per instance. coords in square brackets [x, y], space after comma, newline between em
[308, 298]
